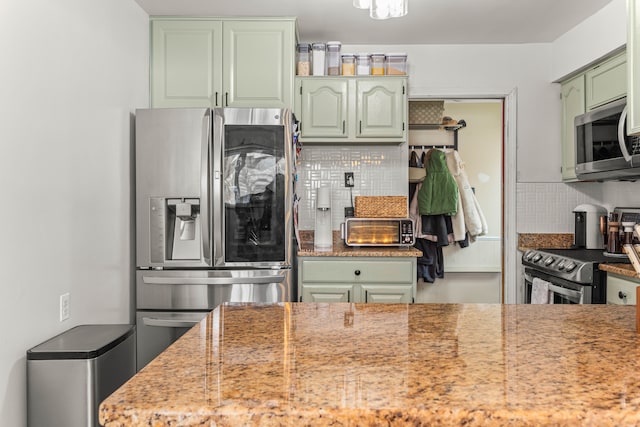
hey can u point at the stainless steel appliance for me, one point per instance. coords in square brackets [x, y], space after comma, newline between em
[604, 151]
[587, 233]
[213, 216]
[69, 375]
[378, 232]
[572, 274]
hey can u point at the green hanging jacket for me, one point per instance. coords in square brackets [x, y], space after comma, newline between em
[439, 191]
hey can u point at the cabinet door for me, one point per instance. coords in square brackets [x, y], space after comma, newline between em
[323, 107]
[386, 294]
[606, 82]
[633, 68]
[258, 63]
[573, 104]
[186, 63]
[380, 108]
[620, 290]
[327, 293]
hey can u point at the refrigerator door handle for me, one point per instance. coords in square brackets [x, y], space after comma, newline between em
[212, 280]
[204, 187]
[169, 323]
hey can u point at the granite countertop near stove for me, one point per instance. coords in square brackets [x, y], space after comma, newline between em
[626, 270]
[544, 241]
[341, 250]
[301, 364]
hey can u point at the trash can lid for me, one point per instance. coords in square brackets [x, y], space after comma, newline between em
[81, 342]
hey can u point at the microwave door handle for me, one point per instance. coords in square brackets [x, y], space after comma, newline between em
[622, 134]
[204, 187]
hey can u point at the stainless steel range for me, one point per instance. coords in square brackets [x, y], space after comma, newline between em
[572, 274]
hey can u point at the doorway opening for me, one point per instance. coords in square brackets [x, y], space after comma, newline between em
[475, 273]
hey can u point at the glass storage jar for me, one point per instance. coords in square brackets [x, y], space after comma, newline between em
[363, 64]
[318, 59]
[333, 58]
[377, 64]
[303, 66]
[348, 64]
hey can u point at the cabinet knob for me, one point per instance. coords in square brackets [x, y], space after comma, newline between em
[357, 272]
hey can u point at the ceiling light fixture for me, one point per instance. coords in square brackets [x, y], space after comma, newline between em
[383, 9]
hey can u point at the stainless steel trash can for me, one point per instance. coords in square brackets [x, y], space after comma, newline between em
[69, 375]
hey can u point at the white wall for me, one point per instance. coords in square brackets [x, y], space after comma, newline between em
[481, 70]
[592, 39]
[73, 72]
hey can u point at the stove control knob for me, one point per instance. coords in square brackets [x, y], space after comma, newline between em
[537, 258]
[570, 267]
[548, 261]
[561, 265]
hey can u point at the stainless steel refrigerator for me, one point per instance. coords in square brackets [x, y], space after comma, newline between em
[214, 192]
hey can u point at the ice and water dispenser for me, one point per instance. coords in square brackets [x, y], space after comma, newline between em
[175, 229]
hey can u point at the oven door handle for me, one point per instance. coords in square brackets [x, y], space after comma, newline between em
[564, 291]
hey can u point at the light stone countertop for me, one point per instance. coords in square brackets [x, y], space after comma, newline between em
[339, 249]
[301, 364]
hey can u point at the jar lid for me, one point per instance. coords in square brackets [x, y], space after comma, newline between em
[348, 55]
[396, 55]
[334, 44]
[377, 55]
[363, 55]
[318, 45]
[304, 47]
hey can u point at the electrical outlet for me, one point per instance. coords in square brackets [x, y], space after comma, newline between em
[64, 307]
[348, 179]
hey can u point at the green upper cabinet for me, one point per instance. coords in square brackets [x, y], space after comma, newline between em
[380, 108]
[352, 109]
[573, 104]
[606, 82]
[222, 62]
[323, 107]
[186, 63]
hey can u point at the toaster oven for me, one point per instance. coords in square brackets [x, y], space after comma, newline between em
[378, 232]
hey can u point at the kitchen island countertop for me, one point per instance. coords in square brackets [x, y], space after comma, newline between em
[344, 364]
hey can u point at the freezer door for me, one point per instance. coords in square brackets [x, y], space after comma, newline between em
[253, 187]
[206, 289]
[157, 330]
[173, 215]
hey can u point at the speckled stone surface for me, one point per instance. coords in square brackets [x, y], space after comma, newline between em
[544, 240]
[621, 269]
[342, 250]
[298, 364]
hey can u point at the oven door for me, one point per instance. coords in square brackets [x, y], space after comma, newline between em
[564, 291]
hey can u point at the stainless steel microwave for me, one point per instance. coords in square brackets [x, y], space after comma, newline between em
[378, 232]
[604, 151]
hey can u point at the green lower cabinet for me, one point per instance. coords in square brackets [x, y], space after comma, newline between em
[327, 293]
[357, 279]
[386, 294]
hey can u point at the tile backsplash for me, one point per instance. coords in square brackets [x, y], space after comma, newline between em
[378, 171]
[548, 207]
